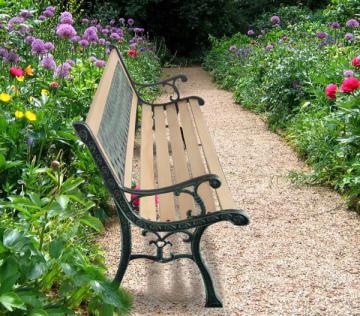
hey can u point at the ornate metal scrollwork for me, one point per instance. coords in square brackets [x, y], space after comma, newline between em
[170, 82]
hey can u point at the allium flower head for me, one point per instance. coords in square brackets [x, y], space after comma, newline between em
[102, 41]
[130, 21]
[90, 34]
[232, 48]
[83, 42]
[49, 46]
[133, 46]
[122, 20]
[100, 63]
[29, 39]
[63, 70]
[335, 25]
[38, 47]
[348, 73]
[48, 62]
[25, 14]
[42, 18]
[66, 18]
[115, 36]
[352, 23]
[269, 47]
[349, 36]
[92, 59]
[75, 38]
[12, 57]
[250, 32]
[275, 19]
[3, 52]
[49, 12]
[321, 35]
[65, 31]
[85, 21]
[15, 22]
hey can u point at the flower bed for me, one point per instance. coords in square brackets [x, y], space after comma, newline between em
[51, 197]
[304, 76]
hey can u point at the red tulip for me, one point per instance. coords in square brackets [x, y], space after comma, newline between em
[331, 90]
[16, 72]
[132, 52]
[356, 61]
[350, 84]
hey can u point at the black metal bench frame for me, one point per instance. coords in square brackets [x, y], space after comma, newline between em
[192, 228]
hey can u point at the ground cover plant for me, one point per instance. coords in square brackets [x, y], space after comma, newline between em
[51, 197]
[302, 70]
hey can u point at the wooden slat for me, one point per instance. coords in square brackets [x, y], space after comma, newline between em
[130, 146]
[194, 155]
[223, 193]
[166, 201]
[179, 159]
[147, 204]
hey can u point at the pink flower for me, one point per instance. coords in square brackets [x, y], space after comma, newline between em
[350, 84]
[331, 90]
[54, 84]
[132, 52]
[356, 61]
[16, 72]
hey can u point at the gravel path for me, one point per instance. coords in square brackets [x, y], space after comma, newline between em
[299, 256]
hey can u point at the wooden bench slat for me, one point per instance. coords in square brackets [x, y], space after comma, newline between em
[130, 146]
[194, 155]
[147, 204]
[223, 193]
[179, 159]
[166, 201]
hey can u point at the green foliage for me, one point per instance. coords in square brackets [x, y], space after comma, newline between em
[283, 73]
[51, 195]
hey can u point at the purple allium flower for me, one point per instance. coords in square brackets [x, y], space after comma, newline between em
[233, 48]
[105, 31]
[38, 47]
[130, 21]
[92, 59]
[335, 25]
[85, 21]
[99, 27]
[348, 73]
[137, 30]
[90, 34]
[269, 47]
[51, 9]
[250, 32]
[133, 46]
[115, 36]
[122, 20]
[29, 39]
[30, 141]
[12, 58]
[25, 14]
[349, 36]
[102, 41]
[48, 62]
[15, 21]
[63, 70]
[94, 21]
[321, 35]
[66, 18]
[83, 42]
[3, 52]
[42, 18]
[352, 23]
[65, 31]
[49, 12]
[75, 38]
[70, 62]
[100, 63]
[49, 46]
[275, 19]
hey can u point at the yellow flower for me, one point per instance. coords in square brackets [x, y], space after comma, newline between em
[31, 116]
[5, 97]
[21, 78]
[30, 98]
[19, 114]
[44, 91]
[29, 71]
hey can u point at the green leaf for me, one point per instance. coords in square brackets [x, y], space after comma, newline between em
[37, 271]
[11, 300]
[63, 201]
[92, 222]
[38, 312]
[56, 247]
[11, 237]
[71, 184]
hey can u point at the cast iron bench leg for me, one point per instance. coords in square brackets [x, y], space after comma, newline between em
[125, 249]
[211, 297]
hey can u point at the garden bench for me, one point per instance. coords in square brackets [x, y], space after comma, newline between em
[178, 164]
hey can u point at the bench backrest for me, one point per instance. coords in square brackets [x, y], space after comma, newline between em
[111, 113]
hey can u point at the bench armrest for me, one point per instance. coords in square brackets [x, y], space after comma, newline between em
[179, 188]
[170, 82]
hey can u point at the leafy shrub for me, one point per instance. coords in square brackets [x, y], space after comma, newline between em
[51, 195]
[283, 73]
